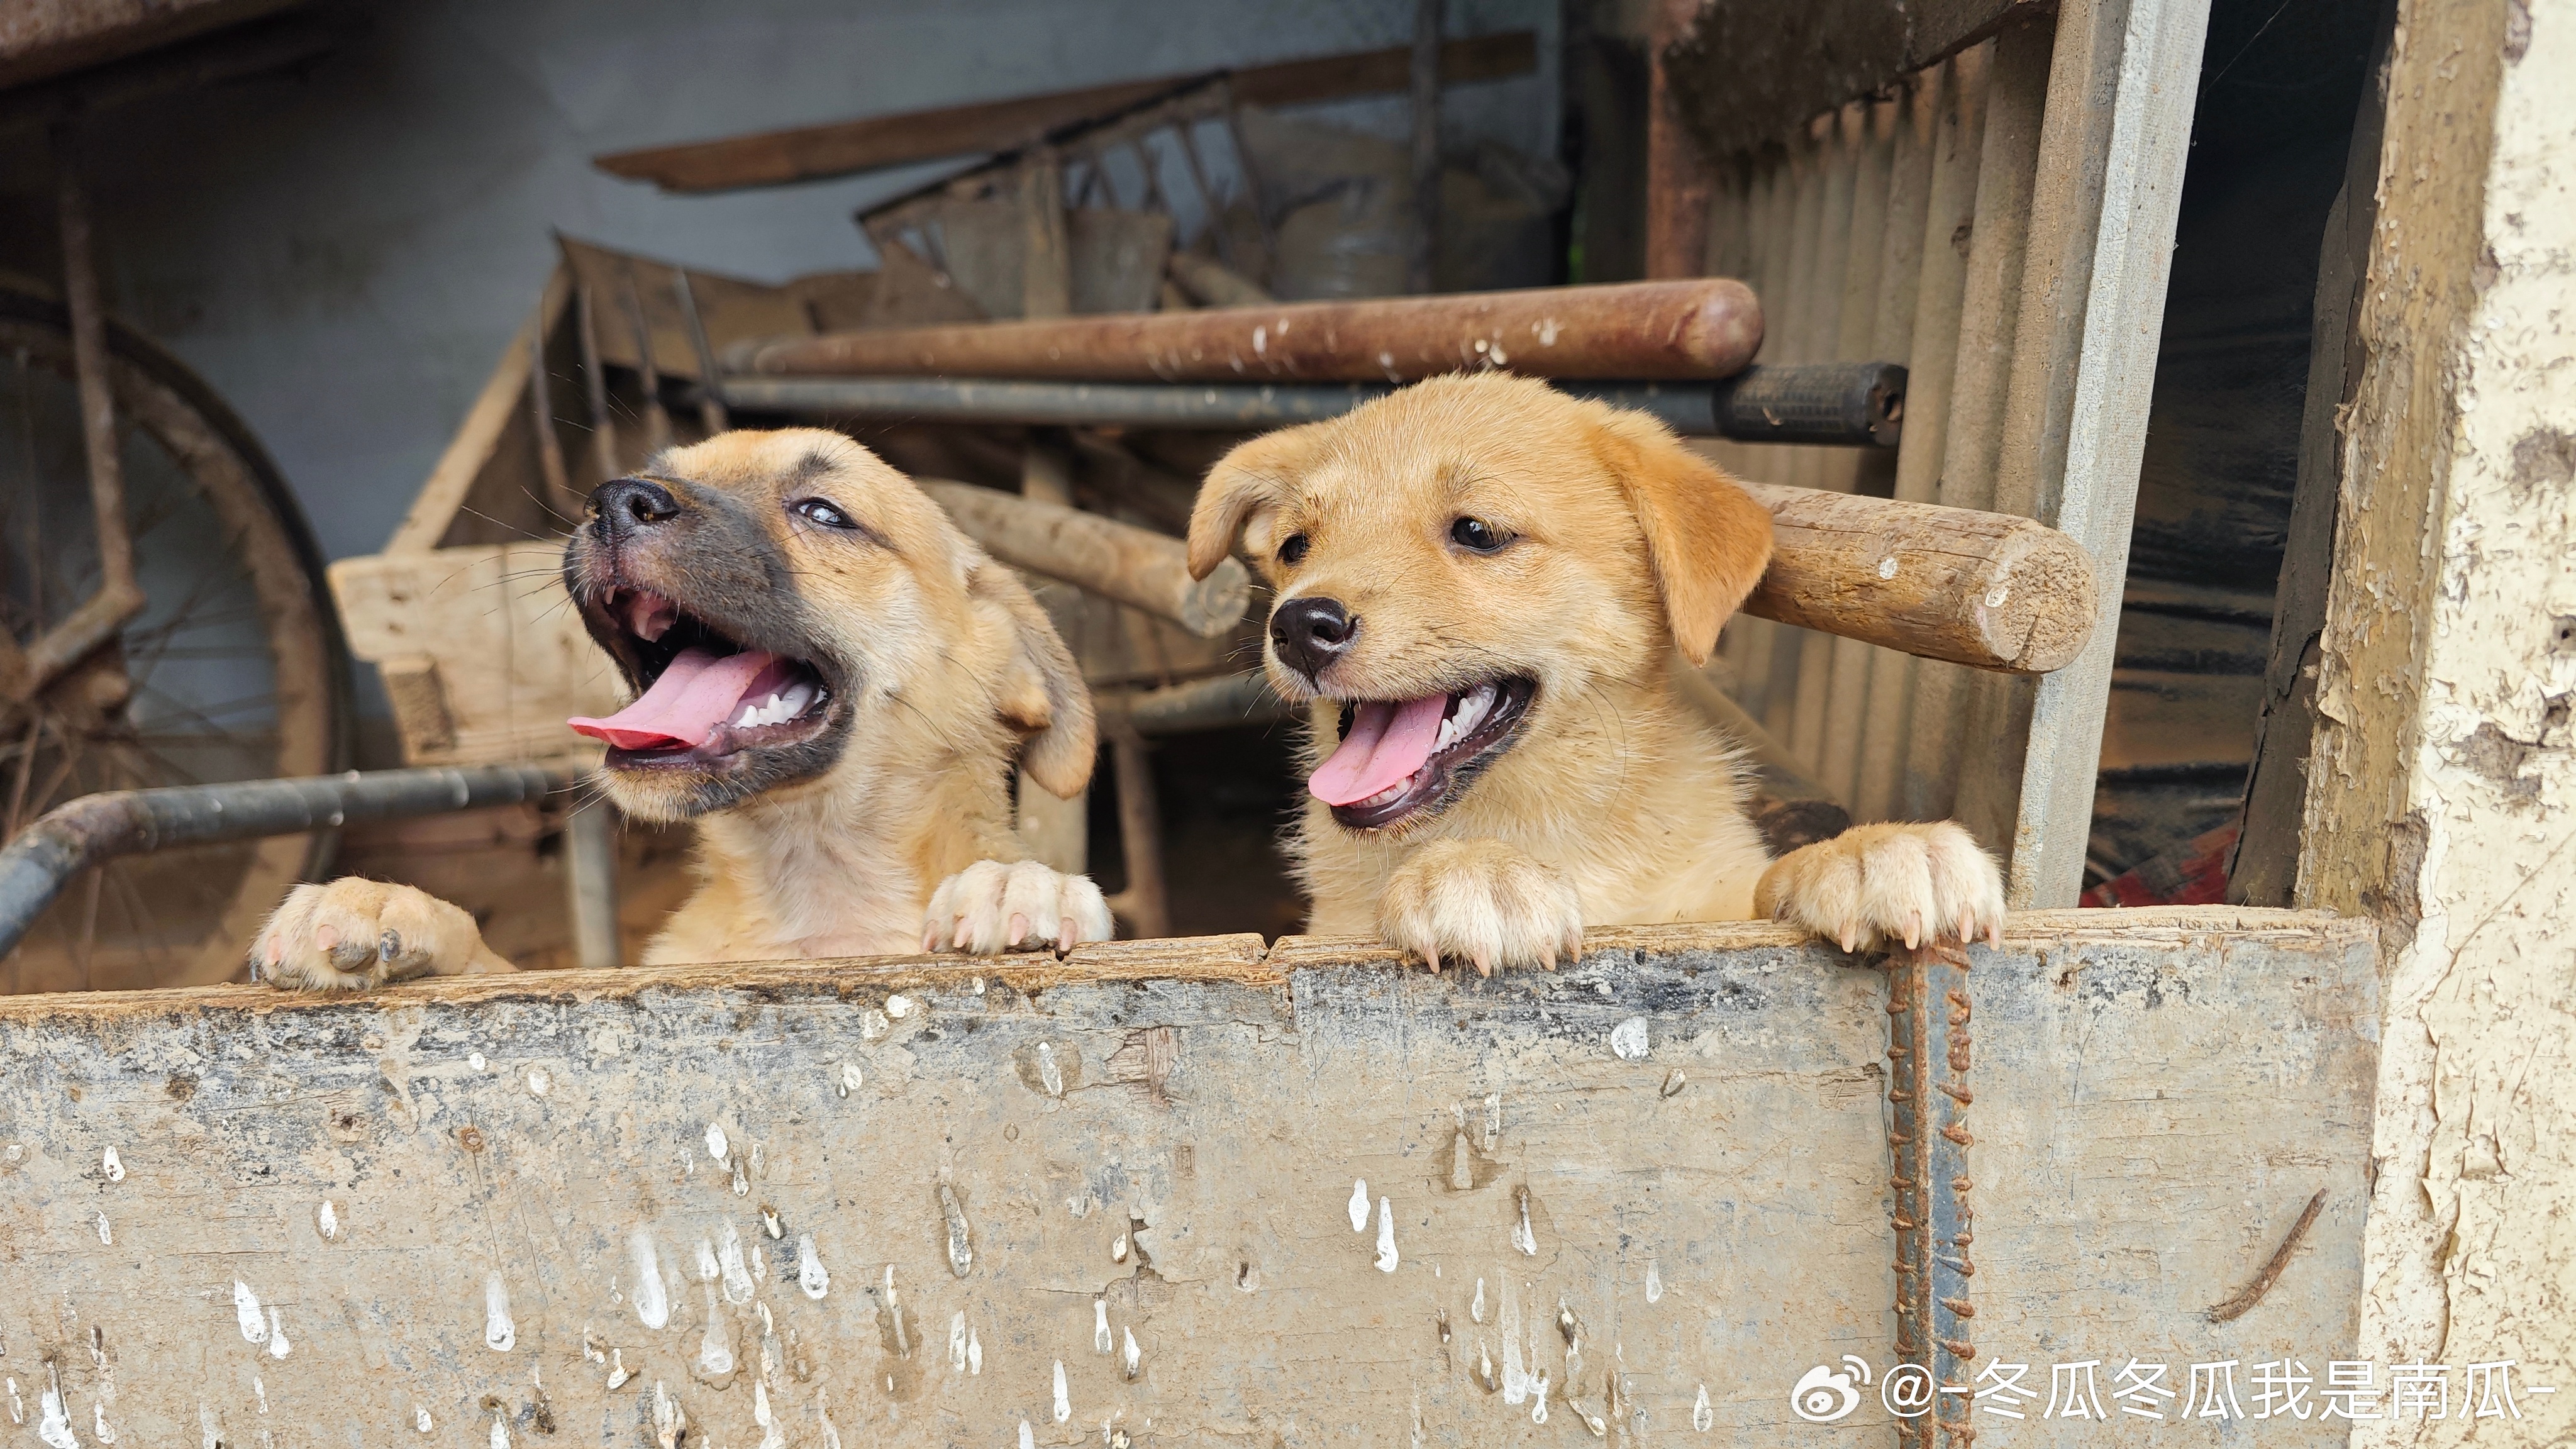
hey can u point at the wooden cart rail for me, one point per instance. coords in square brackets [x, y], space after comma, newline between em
[1168, 1191]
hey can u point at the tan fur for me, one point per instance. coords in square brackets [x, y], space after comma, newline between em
[956, 671]
[1617, 804]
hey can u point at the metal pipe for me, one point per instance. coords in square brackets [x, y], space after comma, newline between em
[93, 829]
[1683, 330]
[1848, 404]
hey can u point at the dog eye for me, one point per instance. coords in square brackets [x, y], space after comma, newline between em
[1294, 550]
[822, 513]
[1477, 536]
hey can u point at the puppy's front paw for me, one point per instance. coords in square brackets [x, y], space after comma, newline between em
[1482, 900]
[353, 934]
[991, 907]
[1879, 883]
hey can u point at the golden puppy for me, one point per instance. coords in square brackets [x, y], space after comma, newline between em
[1478, 583]
[833, 681]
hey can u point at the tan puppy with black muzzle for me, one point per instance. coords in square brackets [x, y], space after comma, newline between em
[1479, 582]
[832, 682]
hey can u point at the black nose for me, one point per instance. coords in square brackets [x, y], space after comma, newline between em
[1312, 633]
[623, 505]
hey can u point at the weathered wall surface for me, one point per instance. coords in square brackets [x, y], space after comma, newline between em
[1122, 1200]
[2442, 796]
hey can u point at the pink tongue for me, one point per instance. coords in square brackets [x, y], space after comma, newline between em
[696, 694]
[1387, 742]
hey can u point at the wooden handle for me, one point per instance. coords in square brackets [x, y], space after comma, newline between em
[1705, 328]
[1135, 566]
[1983, 589]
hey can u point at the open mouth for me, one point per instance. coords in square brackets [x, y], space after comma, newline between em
[1399, 759]
[703, 696]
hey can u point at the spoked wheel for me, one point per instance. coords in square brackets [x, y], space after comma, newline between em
[233, 671]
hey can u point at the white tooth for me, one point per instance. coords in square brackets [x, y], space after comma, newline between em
[770, 703]
[750, 717]
[797, 697]
[1448, 735]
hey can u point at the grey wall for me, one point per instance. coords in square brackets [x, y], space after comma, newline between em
[343, 255]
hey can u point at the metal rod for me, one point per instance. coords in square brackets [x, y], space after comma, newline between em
[1425, 75]
[1145, 903]
[590, 883]
[119, 598]
[1846, 404]
[1691, 330]
[47, 855]
[711, 408]
[1928, 1043]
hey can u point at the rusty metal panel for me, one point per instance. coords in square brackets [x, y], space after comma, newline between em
[1160, 1193]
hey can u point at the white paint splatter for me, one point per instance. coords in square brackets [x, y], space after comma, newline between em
[737, 1277]
[246, 1313]
[898, 1006]
[111, 1165]
[708, 1269]
[17, 1405]
[1386, 1258]
[259, 1393]
[52, 1424]
[1538, 1411]
[652, 1305]
[1063, 1404]
[210, 1429]
[474, 1060]
[499, 1333]
[759, 1265]
[770, 1224]
[278, 1347]
[717, 1147]
[328, 1220]
[715, 1346]
[1524, 1237]
[1359, 1205]
[420, 1419]
[1701, 1415]
[1101, 1342]
[1050, 1076]
[974, 1352]
[617, 1374]
[106, 1235]
[1887, 567]
[1654, 1281]
[1130, 1356]
[500, 1428]
[1628, 1040]
[770, 1438]
[810, 1273]
[98, 1424]
[1028, 1439]
[957, 1341]
[540, 1081]
[850, 1078]
[1476, 1309]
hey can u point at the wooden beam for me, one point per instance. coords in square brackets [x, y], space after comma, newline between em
[1135, 566]
[841, 148]
[1981, 589]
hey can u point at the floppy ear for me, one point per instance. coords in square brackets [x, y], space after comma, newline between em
[1254, 474]
[1706, 539]
[1041, 693]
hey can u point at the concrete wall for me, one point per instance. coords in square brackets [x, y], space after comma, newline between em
[2442, 791]
[344, 255]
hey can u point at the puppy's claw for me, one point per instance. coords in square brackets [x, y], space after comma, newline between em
[1431, 958]
[1913, 930]
[1484, 964]
[930, 936]
[1967, 925]
[959, 943]
[1065, 936]
[1019, 931]
[1845, 940]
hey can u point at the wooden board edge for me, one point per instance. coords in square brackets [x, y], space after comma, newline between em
[1240, 960]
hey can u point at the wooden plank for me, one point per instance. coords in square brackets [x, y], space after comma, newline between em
[925, 1201]
[2094, 499]
[809, 153]
[52, 37]
[496, 427]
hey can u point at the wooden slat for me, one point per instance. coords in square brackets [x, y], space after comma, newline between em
[809, 153]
